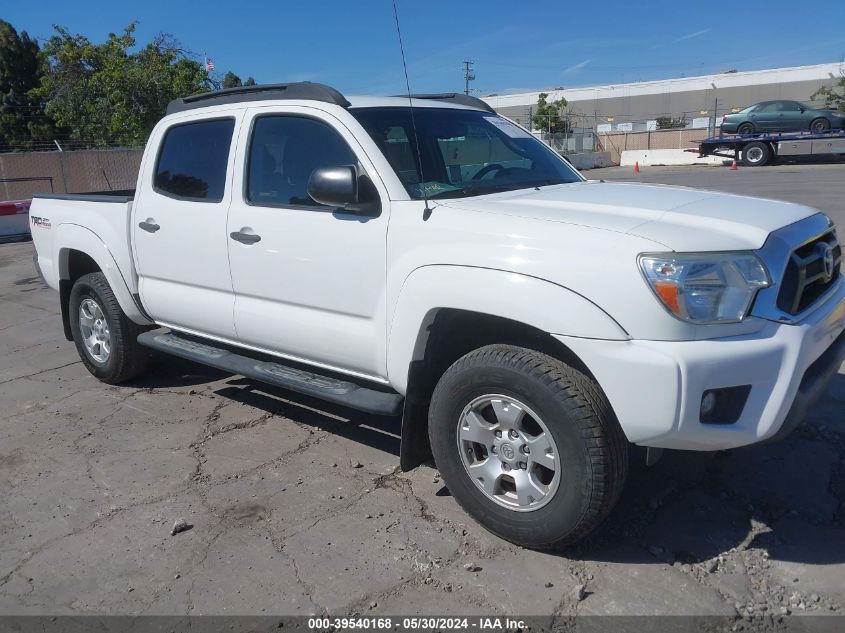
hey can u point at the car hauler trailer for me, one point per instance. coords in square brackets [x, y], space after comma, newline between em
[755, 150]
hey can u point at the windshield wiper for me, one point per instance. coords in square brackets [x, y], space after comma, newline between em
[550, 183]
[478, 191]
[513, 186]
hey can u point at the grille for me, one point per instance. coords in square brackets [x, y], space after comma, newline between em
[811, 270]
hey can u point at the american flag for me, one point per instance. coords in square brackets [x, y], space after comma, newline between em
[209, 64]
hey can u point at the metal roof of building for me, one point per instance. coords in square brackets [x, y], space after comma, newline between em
[681, 84]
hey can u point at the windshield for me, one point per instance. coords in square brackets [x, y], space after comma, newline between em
[463, 152]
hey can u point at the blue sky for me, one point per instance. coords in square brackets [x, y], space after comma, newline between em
[516, 45]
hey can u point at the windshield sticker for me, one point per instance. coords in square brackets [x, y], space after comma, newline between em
[514, 131]
[431, 188]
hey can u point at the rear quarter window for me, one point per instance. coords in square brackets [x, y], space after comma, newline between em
[192, 160]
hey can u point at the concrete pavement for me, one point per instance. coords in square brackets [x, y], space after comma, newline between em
[299, 508]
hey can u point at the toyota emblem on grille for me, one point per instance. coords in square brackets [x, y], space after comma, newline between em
[828, 262]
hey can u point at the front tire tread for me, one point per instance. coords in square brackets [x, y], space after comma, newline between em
[586, 406]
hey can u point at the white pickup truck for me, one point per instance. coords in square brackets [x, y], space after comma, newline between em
[428, 258]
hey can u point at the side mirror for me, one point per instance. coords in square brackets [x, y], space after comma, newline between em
[342, 187]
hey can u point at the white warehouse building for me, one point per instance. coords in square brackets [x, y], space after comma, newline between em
[636, 106]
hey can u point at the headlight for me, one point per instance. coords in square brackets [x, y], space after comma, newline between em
[705, 287]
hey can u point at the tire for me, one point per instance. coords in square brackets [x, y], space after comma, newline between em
[745, 128]
[756, 154]
[574, 420]
[95, 315]
[820, 126]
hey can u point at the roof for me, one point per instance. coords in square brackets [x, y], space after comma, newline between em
[308, 91]
[302, 90]
[366, 101]
[680, 84]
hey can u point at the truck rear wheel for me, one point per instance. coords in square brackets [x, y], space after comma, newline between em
[756, 154]
[527, 445]
[105, 337]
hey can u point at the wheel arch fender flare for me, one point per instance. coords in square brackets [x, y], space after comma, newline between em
[532, 301]
[73, 237]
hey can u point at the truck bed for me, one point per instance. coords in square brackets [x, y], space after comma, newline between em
[96, 223]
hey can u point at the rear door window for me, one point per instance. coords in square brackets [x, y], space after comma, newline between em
[193, 159]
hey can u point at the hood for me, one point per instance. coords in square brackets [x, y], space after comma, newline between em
[678, 218]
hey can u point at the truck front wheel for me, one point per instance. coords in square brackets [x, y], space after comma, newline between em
[527, 445]
[105, 337]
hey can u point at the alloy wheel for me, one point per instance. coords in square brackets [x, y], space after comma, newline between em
[508, 452]
[94, 329]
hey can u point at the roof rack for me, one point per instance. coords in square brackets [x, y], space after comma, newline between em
[305, 90]
[455, 97]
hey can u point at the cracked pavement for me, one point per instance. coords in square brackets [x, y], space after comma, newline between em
[298, 507]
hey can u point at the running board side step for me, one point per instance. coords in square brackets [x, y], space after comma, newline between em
[323, 387]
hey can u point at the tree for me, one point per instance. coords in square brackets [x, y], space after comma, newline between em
[112, 93]
[668, 123]
[22, 118]
[548, 115]
[834, 96]
[231, 80]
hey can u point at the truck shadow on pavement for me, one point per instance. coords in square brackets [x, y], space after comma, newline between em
[377, 432]
[781, 501]
[172, 373]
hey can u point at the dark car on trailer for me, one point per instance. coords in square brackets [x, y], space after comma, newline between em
[782, 116]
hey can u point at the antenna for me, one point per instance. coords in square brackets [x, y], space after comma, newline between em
[427, 211]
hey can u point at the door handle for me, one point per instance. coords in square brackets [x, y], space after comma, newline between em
[149, 225]
[245, 238]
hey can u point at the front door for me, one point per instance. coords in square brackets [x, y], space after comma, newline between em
[179, 227]
[766, 116]
[309, 280]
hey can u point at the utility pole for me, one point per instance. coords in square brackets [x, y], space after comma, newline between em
[469, 75]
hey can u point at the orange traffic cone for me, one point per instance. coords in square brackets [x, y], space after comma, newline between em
[733, 166]
[637, 167]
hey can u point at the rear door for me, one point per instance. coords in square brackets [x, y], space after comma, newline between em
[309, 280]
[179, 225]
[793, 116]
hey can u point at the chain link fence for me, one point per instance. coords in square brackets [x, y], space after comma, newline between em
[617, 142]
[615, 132]
[591, 135]
[23, 174]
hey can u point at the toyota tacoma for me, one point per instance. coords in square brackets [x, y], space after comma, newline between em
[425, 258]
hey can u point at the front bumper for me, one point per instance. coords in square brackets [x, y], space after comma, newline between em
[655, 387]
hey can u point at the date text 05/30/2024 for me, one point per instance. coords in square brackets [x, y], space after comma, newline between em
[416, 623]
